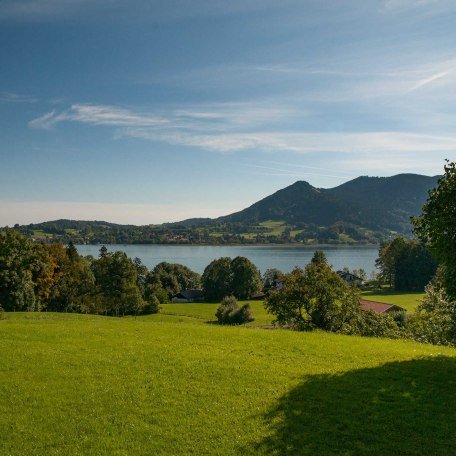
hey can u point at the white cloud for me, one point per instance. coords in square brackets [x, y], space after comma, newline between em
[236, 128]
[12, 97]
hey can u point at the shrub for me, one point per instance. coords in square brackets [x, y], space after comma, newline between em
[229, 312]
[435, 321]
[152, 305]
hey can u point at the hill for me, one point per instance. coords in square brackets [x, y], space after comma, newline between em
[381, 203]
[363, 210]
[162, 384]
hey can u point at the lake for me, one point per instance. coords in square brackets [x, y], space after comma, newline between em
[284, 258]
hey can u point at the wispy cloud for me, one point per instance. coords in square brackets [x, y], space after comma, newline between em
[12, 97]
[430, 80]
[230, 131]
[205, 117]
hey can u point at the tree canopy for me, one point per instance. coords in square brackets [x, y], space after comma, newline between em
[406, 264]
[309, 297]
[238, 277]
[437, 226]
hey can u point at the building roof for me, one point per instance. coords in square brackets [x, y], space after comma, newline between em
[379, 307]
[190, 294]
[345, 274]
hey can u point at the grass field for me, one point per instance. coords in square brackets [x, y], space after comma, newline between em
[409, 301]
[169, 384]
[206, 311]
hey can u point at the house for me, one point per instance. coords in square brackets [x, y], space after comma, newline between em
[379, 307]
[258, 296]
[349, 278]
[188, 296]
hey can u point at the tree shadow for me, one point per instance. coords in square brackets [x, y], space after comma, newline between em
[399, 408]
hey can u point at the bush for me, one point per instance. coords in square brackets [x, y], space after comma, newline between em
[229, 312]
[152, 306]
[435, 321]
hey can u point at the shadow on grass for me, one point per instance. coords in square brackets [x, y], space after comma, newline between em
[404, 408]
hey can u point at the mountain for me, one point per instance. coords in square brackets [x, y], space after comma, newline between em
[363, 210]
[381, 203]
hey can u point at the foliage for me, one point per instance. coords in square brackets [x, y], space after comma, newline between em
[319, 257]
[174, 278]
[309, 297]
[245, 278]
[18, 264]
[151, 306]
[435, 321]
[238, 277]
[229, 312]
[217, 279]
[437, 226]
[406, 264]
[270, 278]
[116, 284]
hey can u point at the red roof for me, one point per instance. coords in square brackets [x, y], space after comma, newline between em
[379, 307]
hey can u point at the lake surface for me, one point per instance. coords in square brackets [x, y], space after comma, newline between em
[284, 258]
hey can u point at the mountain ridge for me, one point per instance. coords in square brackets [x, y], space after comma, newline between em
[363, 210]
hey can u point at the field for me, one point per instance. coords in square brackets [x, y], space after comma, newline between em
[170, 384]
[206, 311]
[407, 300]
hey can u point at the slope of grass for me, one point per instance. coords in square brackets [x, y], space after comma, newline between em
[408, 300]
[170, 385]
[206, 311]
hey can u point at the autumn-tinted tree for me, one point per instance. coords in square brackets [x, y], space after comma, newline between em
[74, 282]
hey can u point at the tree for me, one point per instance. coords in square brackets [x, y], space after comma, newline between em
[245, 277]
[309, 298]
[270, 278]
[18, 263]
[74, 282]
[435, 320]
[319, 257]
[116, 282]
[217, 279]
[437, 226]
[406, 264]
[174, 277]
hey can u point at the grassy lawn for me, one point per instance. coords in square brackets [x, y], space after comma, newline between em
[206, 311]
[170, 385]
[276, 227]
[408, 300]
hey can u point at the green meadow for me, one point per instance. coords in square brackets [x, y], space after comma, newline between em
[405, 299]
[176, 384]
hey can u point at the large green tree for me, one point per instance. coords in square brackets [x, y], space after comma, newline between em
[437, 226]
[217, 279]
[309, 298]
[406, 264]
[18, 263]
[117, 284]
[245, 277]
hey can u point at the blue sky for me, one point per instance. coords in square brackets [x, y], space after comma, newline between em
[151, 111]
